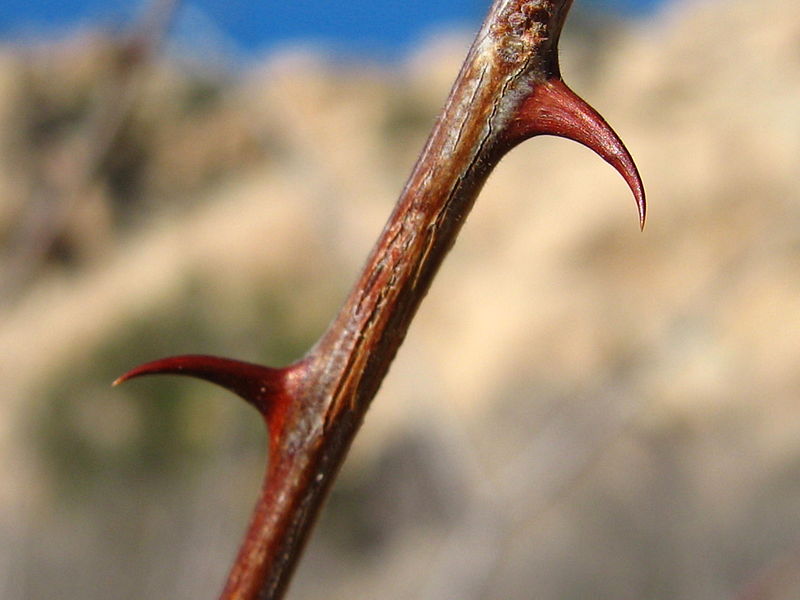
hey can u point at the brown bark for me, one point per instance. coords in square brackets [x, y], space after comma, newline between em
[509, 89]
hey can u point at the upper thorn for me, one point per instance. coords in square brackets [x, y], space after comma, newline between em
[552, 108]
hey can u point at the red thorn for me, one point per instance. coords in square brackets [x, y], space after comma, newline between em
[553, 109]
[257, 385]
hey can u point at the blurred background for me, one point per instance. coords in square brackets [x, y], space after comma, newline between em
[580, 410]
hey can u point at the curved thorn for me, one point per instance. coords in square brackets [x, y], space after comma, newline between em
[256, 384]
[552, 108]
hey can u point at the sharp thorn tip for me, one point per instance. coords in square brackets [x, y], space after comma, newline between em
[256, 384]
[552, 108]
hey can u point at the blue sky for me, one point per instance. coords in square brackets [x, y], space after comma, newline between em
[249, 27]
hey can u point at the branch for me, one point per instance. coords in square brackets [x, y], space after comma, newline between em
[509, 89]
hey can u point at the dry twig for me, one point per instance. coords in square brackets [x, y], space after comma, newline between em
[508, 90]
